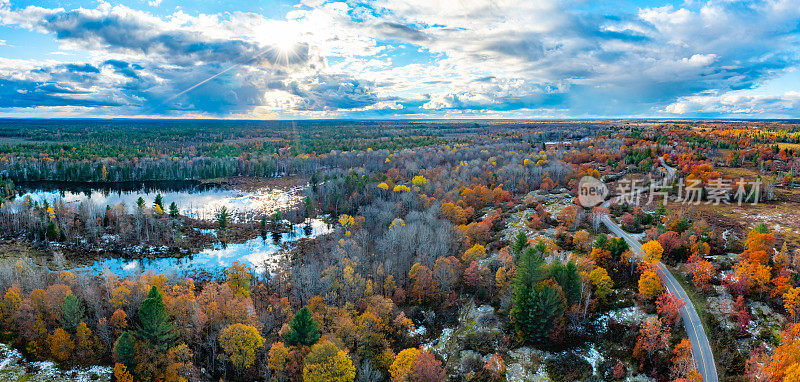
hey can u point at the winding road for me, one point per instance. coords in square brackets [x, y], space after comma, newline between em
[701, 349]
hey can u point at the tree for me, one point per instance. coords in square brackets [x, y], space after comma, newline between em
[520, 243]
[496, 367]
[791, 301]
[581, 240]
[669, 308]
[670, 241]
[84, 344]
[302, 329]
[403, 365]
[125, 349]
[538, 304]
[238, 278]
[222, 218]
[61, 344]
[423, 285]
[241, 342]
[682, 361]
[652, 336]
[541, 312]
[652, 251]
[325, 362]
[154, 326]
[277, 357]
[159, 202]
[121, 373]
[8, 308]
[72, 312]
[602, 282]
[476, 277]
[427, 368]
[784, 364]
[173, 210]
[703, 271]
[566, 275]
[477, 252]
[649, 284]
[119, 321]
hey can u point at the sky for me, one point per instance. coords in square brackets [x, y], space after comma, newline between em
[384, 59]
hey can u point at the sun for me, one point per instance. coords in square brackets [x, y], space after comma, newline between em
[280, 39]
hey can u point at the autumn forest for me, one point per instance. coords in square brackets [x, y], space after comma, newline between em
[425, 251]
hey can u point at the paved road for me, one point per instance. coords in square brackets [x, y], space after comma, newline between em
[701, 349]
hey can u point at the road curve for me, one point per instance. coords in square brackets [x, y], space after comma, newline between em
[701, 349]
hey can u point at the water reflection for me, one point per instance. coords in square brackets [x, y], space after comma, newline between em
[198, 202]
[258, 253]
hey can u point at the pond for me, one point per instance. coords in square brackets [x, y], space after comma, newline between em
[261, 254]
[197, 201]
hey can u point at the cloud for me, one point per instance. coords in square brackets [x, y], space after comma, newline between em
[737, 105]
[24, 94]
[333, 92]
[414, 57]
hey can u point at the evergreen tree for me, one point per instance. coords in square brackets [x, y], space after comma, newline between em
[140, 202]
[520, 243]
[71, 313]
[159, 202]
[302, 329]
[222, 218]
[566, 275]
[537, 303]
[125, 350]
[173, 210]
[154, 326]
[52, 231]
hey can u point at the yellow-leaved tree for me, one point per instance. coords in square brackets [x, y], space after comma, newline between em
[791, 301]
[241, 343]
[652, 251]
[602, 282]
[403, 365]
[649, 284]
[477, 252]
[325, 362]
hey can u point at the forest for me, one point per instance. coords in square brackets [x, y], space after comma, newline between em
[457, 250]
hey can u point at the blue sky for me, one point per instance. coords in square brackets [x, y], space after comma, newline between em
[400, 59]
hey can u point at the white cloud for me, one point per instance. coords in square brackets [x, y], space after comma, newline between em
[765, 106]
[700, 59]
[504, 56]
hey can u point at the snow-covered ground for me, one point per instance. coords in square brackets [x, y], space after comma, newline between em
[14, 367]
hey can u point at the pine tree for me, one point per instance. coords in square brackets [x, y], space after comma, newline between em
[566, 275]
[71, 313]
[154, 326]
[520, 243]
[159, 202]
[222, 218]
[124, 349]
[302, 329]
[173, 210]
